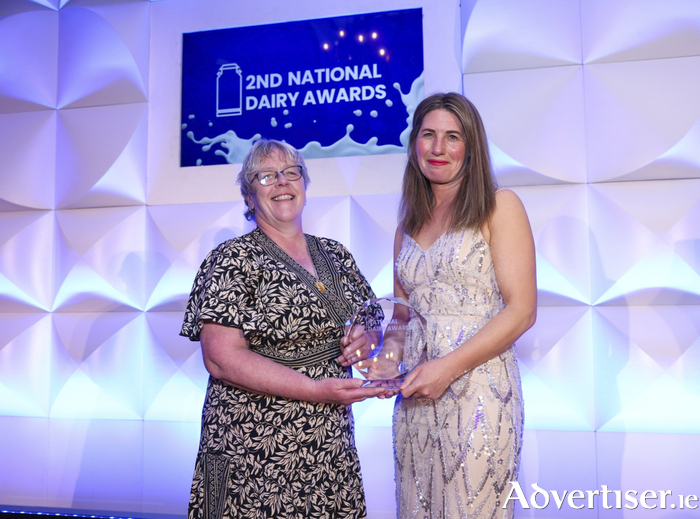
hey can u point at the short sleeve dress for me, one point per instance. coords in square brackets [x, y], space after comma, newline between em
[263, 456]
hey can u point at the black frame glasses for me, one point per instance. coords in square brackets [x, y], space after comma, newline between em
[269, 177]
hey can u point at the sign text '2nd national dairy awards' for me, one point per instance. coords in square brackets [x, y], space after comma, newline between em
[314, 96]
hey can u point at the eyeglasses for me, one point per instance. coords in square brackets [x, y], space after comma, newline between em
[268, 178]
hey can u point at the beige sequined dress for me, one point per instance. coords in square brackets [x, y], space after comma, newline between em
[455, 457]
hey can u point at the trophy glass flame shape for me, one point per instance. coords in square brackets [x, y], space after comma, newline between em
[398, 340]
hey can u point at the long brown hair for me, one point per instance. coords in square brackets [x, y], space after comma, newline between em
[476, 195]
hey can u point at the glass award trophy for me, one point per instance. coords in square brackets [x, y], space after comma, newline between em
[398, 340]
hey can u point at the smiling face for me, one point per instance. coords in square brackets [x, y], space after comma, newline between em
[279, 204]
[441, 148]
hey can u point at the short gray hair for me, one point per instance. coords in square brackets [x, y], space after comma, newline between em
[260, 151]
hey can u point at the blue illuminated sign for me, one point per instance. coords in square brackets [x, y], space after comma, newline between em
[330, 87]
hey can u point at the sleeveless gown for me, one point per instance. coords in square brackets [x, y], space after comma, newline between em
[455, 457]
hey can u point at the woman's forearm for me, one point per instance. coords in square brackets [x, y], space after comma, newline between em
[252, 372]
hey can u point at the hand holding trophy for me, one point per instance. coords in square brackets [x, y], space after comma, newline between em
[398, 334]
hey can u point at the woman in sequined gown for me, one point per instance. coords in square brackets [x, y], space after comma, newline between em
[464, 256]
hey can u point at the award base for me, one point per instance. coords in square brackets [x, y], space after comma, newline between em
[389, 383]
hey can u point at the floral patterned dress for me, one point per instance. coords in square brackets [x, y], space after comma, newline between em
[263, 456]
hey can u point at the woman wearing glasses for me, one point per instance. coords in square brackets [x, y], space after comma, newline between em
[269, 308]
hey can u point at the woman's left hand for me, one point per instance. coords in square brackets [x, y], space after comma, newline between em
[357, 346]
[429, 379]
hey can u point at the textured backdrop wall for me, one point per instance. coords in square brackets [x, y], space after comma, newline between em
[594, 120]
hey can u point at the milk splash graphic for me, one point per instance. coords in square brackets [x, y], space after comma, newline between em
[236, 148]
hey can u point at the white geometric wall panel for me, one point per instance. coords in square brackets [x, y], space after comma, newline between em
[593, 117]
[28, 148]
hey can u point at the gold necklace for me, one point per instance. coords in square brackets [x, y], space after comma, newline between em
[320, 286]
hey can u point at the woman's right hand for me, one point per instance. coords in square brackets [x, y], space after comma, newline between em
[344, 391]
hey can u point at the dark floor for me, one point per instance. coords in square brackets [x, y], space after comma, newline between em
[64, 514]
[30, 512]
[51, 515]
[42, 515]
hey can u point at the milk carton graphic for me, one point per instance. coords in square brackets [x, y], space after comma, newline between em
[229, 90]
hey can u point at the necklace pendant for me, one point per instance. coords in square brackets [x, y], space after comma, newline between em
[320, 286]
